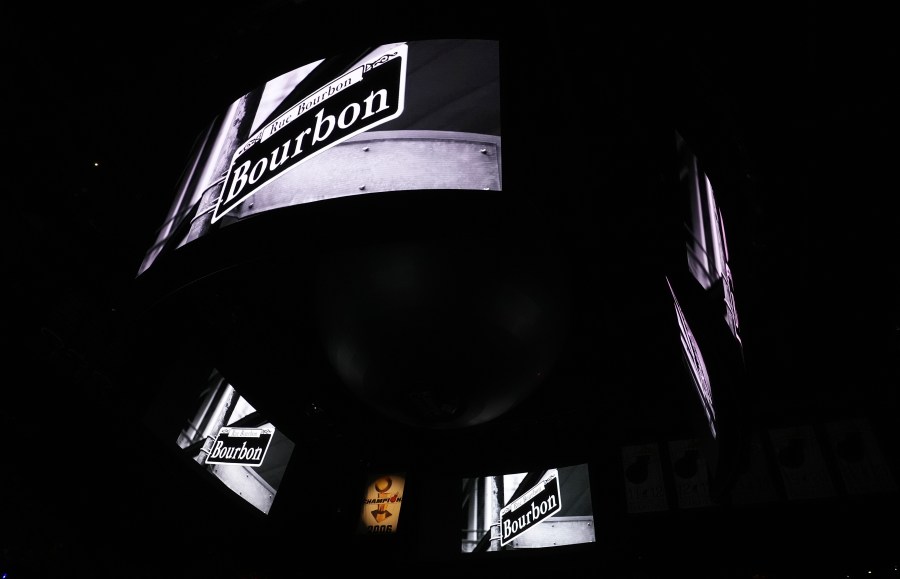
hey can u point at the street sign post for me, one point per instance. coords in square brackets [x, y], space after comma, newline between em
[246, 446]
[362, 98]
[537, 504]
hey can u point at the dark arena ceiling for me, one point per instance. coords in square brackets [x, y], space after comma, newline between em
[791, 110]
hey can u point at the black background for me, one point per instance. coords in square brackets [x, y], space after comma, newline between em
[793, 106]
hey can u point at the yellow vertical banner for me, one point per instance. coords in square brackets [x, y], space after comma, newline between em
[381, 503]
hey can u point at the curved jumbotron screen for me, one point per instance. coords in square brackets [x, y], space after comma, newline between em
[420, 115]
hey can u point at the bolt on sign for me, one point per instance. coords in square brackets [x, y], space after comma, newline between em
[538, 503]
[362, 98]
[381, 505]
[245, 446]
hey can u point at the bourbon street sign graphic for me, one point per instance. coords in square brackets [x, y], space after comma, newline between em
[538, 503]
[246, 446]
[362, 98]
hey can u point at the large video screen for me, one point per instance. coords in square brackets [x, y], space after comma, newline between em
[693, 360]
[228, 439]
[527, 510]
[405, 116]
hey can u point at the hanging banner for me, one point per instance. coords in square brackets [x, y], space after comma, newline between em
[645, 489]
[691, 473]
[859, 460]
[754, 484]
[801, 463]
[381, 504]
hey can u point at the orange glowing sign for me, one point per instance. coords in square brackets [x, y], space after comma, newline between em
[381, 505]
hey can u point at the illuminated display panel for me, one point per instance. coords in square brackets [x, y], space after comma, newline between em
[707, 247]
[421, 115]
[226, 436]
[528, 510]
[693, 360]
[381, 504]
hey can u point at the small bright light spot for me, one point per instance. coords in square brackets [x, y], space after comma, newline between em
[96, 164]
